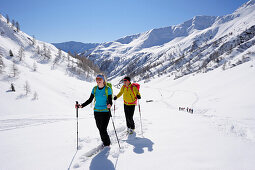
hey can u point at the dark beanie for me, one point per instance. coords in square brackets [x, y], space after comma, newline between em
[127, 78]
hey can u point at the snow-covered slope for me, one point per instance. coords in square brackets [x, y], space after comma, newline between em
[48, 74]
[198, 45]
[220, 134]
[75, 47]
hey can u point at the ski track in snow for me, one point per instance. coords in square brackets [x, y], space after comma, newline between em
[164, 99]
[136, 140]
[83, 152]
[226, 125]
[223, 124]
[11, 124]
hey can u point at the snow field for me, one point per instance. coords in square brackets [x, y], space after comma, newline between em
[214, 137]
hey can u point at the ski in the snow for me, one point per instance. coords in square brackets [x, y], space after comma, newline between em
[94, 150]
[100, 147]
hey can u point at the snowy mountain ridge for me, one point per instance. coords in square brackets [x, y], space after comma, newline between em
[193, 46]
[75, 47]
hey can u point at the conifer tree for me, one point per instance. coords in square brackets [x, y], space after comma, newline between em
[14, 70]
[11, 54]
[7, 18]
[27, 88]
[17, 26]
[1, 64]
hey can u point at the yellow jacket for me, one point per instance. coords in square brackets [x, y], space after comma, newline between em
[129, 94]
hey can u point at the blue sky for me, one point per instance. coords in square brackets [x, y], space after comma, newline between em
[106, 20]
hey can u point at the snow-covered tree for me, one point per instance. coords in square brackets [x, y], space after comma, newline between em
[13, 23]
[1, 64]
[38, 49]
[48, 54]
[14, 70]
[21, 54]
[35, 96]
[44, 49]
[57, 58]
[34, 40]
[17, 26]
[68, 57]
[59, 53]
[27, 88]
[7, 18]
[34, 66]
[224, 66]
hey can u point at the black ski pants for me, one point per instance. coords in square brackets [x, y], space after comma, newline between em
[129, 113]
[102, 121]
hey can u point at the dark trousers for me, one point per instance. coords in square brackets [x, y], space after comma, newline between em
[102, 120]
[129, 113]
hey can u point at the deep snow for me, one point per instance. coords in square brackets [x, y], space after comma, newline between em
[219, 135]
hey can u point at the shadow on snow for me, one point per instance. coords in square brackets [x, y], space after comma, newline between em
[140, 143]
[101, 161]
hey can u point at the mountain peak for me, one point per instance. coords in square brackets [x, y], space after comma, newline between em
[247, 5]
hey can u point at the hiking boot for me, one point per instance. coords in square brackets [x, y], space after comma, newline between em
[131, 131]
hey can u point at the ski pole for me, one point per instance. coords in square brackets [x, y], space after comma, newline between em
[114, 128]
[77, 123]
[140, 117]
[114, 108]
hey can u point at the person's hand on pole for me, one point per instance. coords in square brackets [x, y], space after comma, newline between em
[109, 106]
[78, 106]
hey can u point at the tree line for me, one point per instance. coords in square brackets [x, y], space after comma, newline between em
[14, 24]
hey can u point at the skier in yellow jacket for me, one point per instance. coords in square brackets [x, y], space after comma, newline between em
[130, 96]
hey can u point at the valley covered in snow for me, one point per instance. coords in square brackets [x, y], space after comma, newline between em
[38, 123]
[220, 134]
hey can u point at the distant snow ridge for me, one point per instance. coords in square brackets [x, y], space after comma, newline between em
[200, 44]
[248, 4]
[75, 47]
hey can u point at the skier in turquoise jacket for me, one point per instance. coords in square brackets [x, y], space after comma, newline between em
[102, 107]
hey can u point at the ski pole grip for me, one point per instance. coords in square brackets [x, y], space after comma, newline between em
[77, 109]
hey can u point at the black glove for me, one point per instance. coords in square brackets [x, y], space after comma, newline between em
[115, 98]
[138, 96]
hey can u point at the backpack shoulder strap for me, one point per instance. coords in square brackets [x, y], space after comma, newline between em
[132, 89]
[106, 91]
[94, 89]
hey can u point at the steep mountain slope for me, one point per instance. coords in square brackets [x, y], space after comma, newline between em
[198, 45]
[41, 75]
